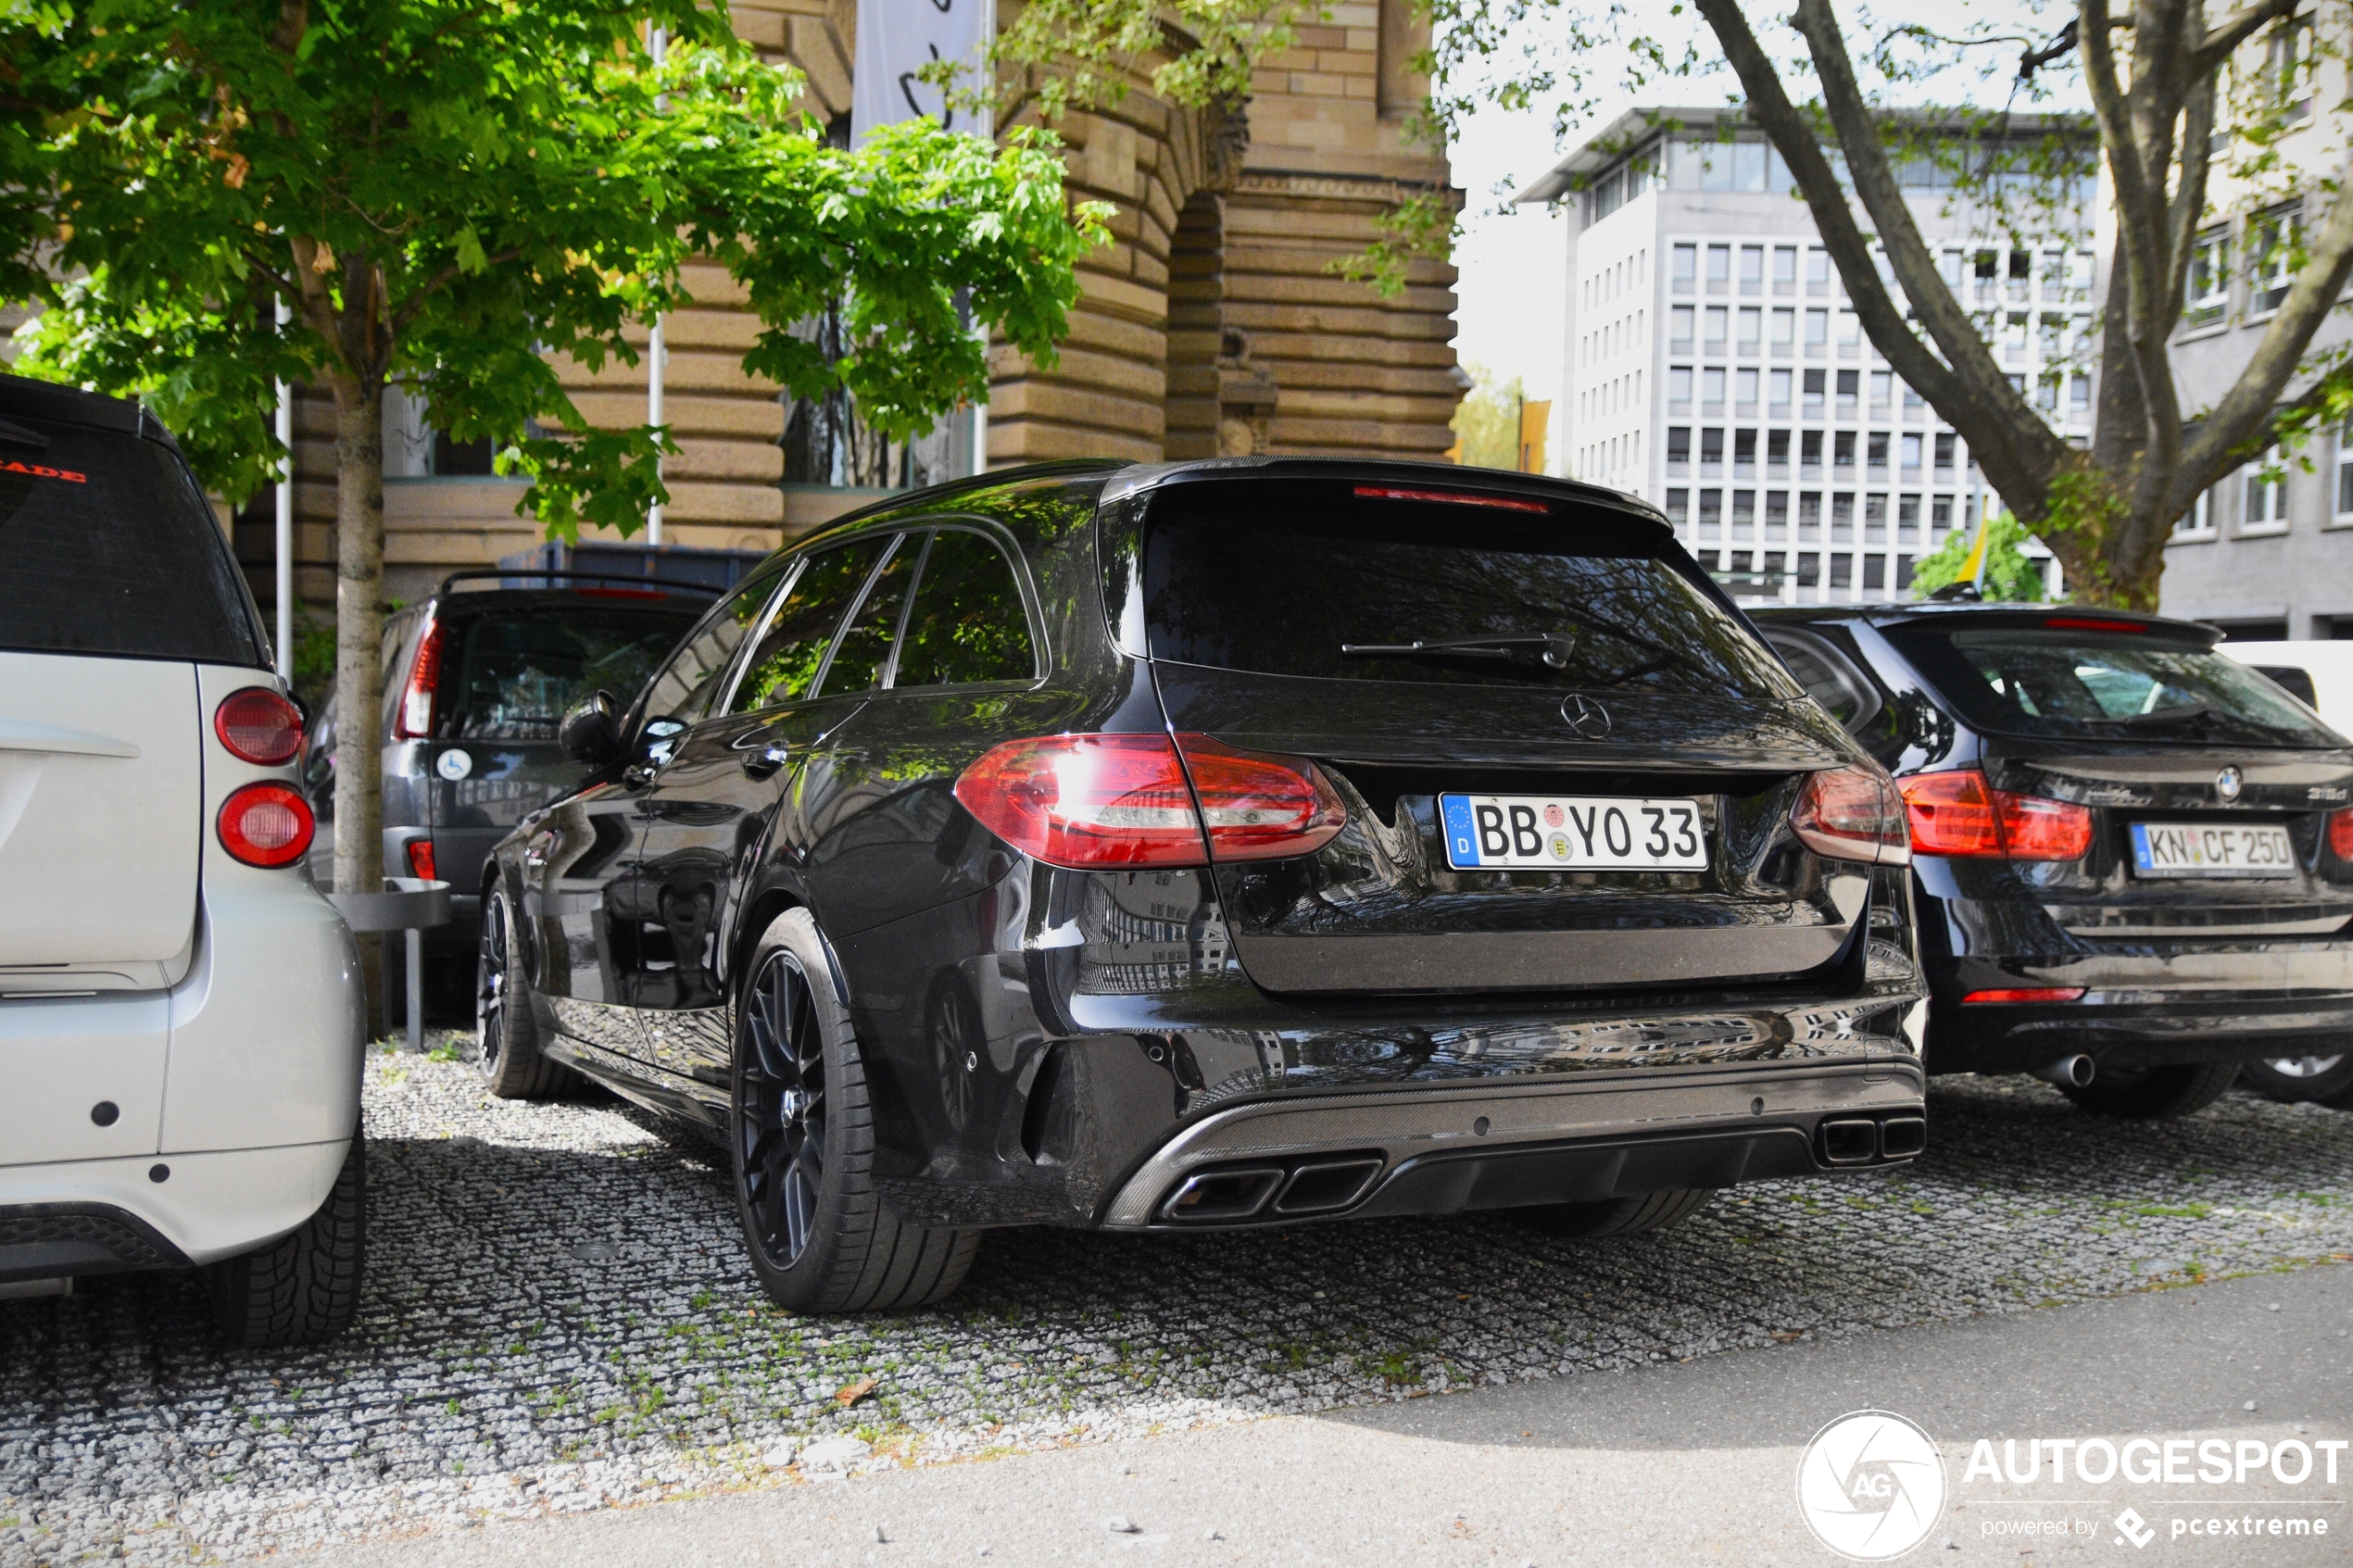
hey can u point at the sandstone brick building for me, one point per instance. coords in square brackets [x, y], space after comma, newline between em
[1210, 325]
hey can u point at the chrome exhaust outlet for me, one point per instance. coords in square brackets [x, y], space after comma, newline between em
[2067, 1072]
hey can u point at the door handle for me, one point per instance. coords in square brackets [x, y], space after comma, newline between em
[763, 762]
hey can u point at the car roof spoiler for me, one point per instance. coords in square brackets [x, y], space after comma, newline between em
[624, 578]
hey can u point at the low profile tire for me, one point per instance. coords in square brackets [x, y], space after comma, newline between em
[2328, 1079]
[505, 1029]
[2154, 1094]
[801, 1134]
[305, 1287]
[1616, 1216]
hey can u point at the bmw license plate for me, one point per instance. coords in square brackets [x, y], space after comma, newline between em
[2162, 849]
[1572, 833]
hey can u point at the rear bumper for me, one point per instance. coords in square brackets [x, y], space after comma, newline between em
[1496, 1146]
[107, 1216]
[2142, 1032]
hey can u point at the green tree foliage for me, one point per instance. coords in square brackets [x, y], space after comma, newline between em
[2010, 576]
[2181, 92]
[1486, 421]
[450, 194]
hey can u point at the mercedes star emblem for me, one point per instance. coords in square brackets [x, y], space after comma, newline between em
[2227, 782]
[1587, 717]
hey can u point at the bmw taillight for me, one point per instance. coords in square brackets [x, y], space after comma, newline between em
[1851, 813]
[1957, 813]
[1095, 800]
[2341, 834]
[265, 825]
[414, 721]
[258, 725]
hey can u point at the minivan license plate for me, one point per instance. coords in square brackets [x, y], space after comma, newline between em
[2189, 849]
[1571, 833]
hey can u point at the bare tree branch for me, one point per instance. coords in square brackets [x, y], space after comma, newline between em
[2221, 43]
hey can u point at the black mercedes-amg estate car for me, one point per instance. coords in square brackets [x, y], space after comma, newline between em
[2134, 856]
[1217, 844]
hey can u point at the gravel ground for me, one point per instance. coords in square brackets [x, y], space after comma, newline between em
[559, 1318]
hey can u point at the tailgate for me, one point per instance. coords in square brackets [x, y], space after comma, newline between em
[101, 801]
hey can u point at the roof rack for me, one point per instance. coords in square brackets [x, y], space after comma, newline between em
[502, 573]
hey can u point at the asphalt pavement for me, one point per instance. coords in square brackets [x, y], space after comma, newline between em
[1679, 1464]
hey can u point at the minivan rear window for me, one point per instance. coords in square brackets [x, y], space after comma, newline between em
[1312, 577]
[106, 546]
[2063, 682]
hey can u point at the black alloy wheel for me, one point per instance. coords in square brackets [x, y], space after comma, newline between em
[801, 1142]
[2326, 1079]
[505, 1030]
[781, 1112]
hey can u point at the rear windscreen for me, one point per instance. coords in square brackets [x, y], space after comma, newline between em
[106, 546]
[1309, 578]
[2059, 682]
[518, 672]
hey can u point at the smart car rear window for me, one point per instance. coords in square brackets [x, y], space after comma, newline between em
[1319, 578]
[106, 546]
[2057, 680]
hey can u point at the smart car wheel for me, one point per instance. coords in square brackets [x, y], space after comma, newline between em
[803, 1148]
[2328, 1079]
[2152, 1094]
[1616, 1216]
[504, 1027]
[305, 1285]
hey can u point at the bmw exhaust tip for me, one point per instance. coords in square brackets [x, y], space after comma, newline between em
[2067, 1072]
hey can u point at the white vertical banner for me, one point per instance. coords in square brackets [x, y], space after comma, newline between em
[898, 38]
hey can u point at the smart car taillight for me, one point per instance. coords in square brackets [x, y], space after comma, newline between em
[258, 725]
[265, 825]
[2341, 834]
[1088, 801]
[414, 721]
[1851, 813]
[1957, 813]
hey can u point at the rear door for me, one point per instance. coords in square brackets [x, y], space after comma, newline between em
[1566, 763]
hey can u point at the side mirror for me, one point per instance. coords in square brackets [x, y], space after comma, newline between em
[591, 733]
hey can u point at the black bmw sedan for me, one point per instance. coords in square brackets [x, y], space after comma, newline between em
[2134, 856]
[1217, 844]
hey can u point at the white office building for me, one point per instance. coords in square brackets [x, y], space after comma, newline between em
[1716, 367]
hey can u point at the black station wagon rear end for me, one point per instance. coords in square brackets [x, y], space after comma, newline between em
[1221, 844]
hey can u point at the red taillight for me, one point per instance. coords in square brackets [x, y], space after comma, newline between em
[2085, 624]
[1851, 814]
[415, 719]
[2341, 834]
[2026, 993]
[1126, 801]
[265, 825]
[421, 859]
[1449, 497]
[1957, 813]
[258, 725]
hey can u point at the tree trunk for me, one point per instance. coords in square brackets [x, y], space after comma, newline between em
[359, 619]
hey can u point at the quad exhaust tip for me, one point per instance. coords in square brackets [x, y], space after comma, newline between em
[1861, 1140]
[2069, 1071]
[1305, 1187]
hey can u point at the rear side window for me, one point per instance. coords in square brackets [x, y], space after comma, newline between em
[791, 648]
[518, 672]
[2066, 682]
[1308, 577]
[863, 653]
[1842, 690]
[106, 546]
[683, 693]
[968, 626]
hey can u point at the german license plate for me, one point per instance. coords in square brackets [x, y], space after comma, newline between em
[1572, 833]
[2191, 850]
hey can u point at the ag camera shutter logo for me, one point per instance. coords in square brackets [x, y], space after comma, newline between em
[1870, 1485]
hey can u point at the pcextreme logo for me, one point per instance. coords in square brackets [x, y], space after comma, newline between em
[1870, 1485]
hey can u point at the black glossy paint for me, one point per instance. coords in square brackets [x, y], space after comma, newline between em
[2174, 970]
[1033, 1034]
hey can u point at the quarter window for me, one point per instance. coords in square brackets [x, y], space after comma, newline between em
[968, 625]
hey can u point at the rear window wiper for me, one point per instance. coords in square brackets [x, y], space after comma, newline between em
[1554, 647]
[2186, 714]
